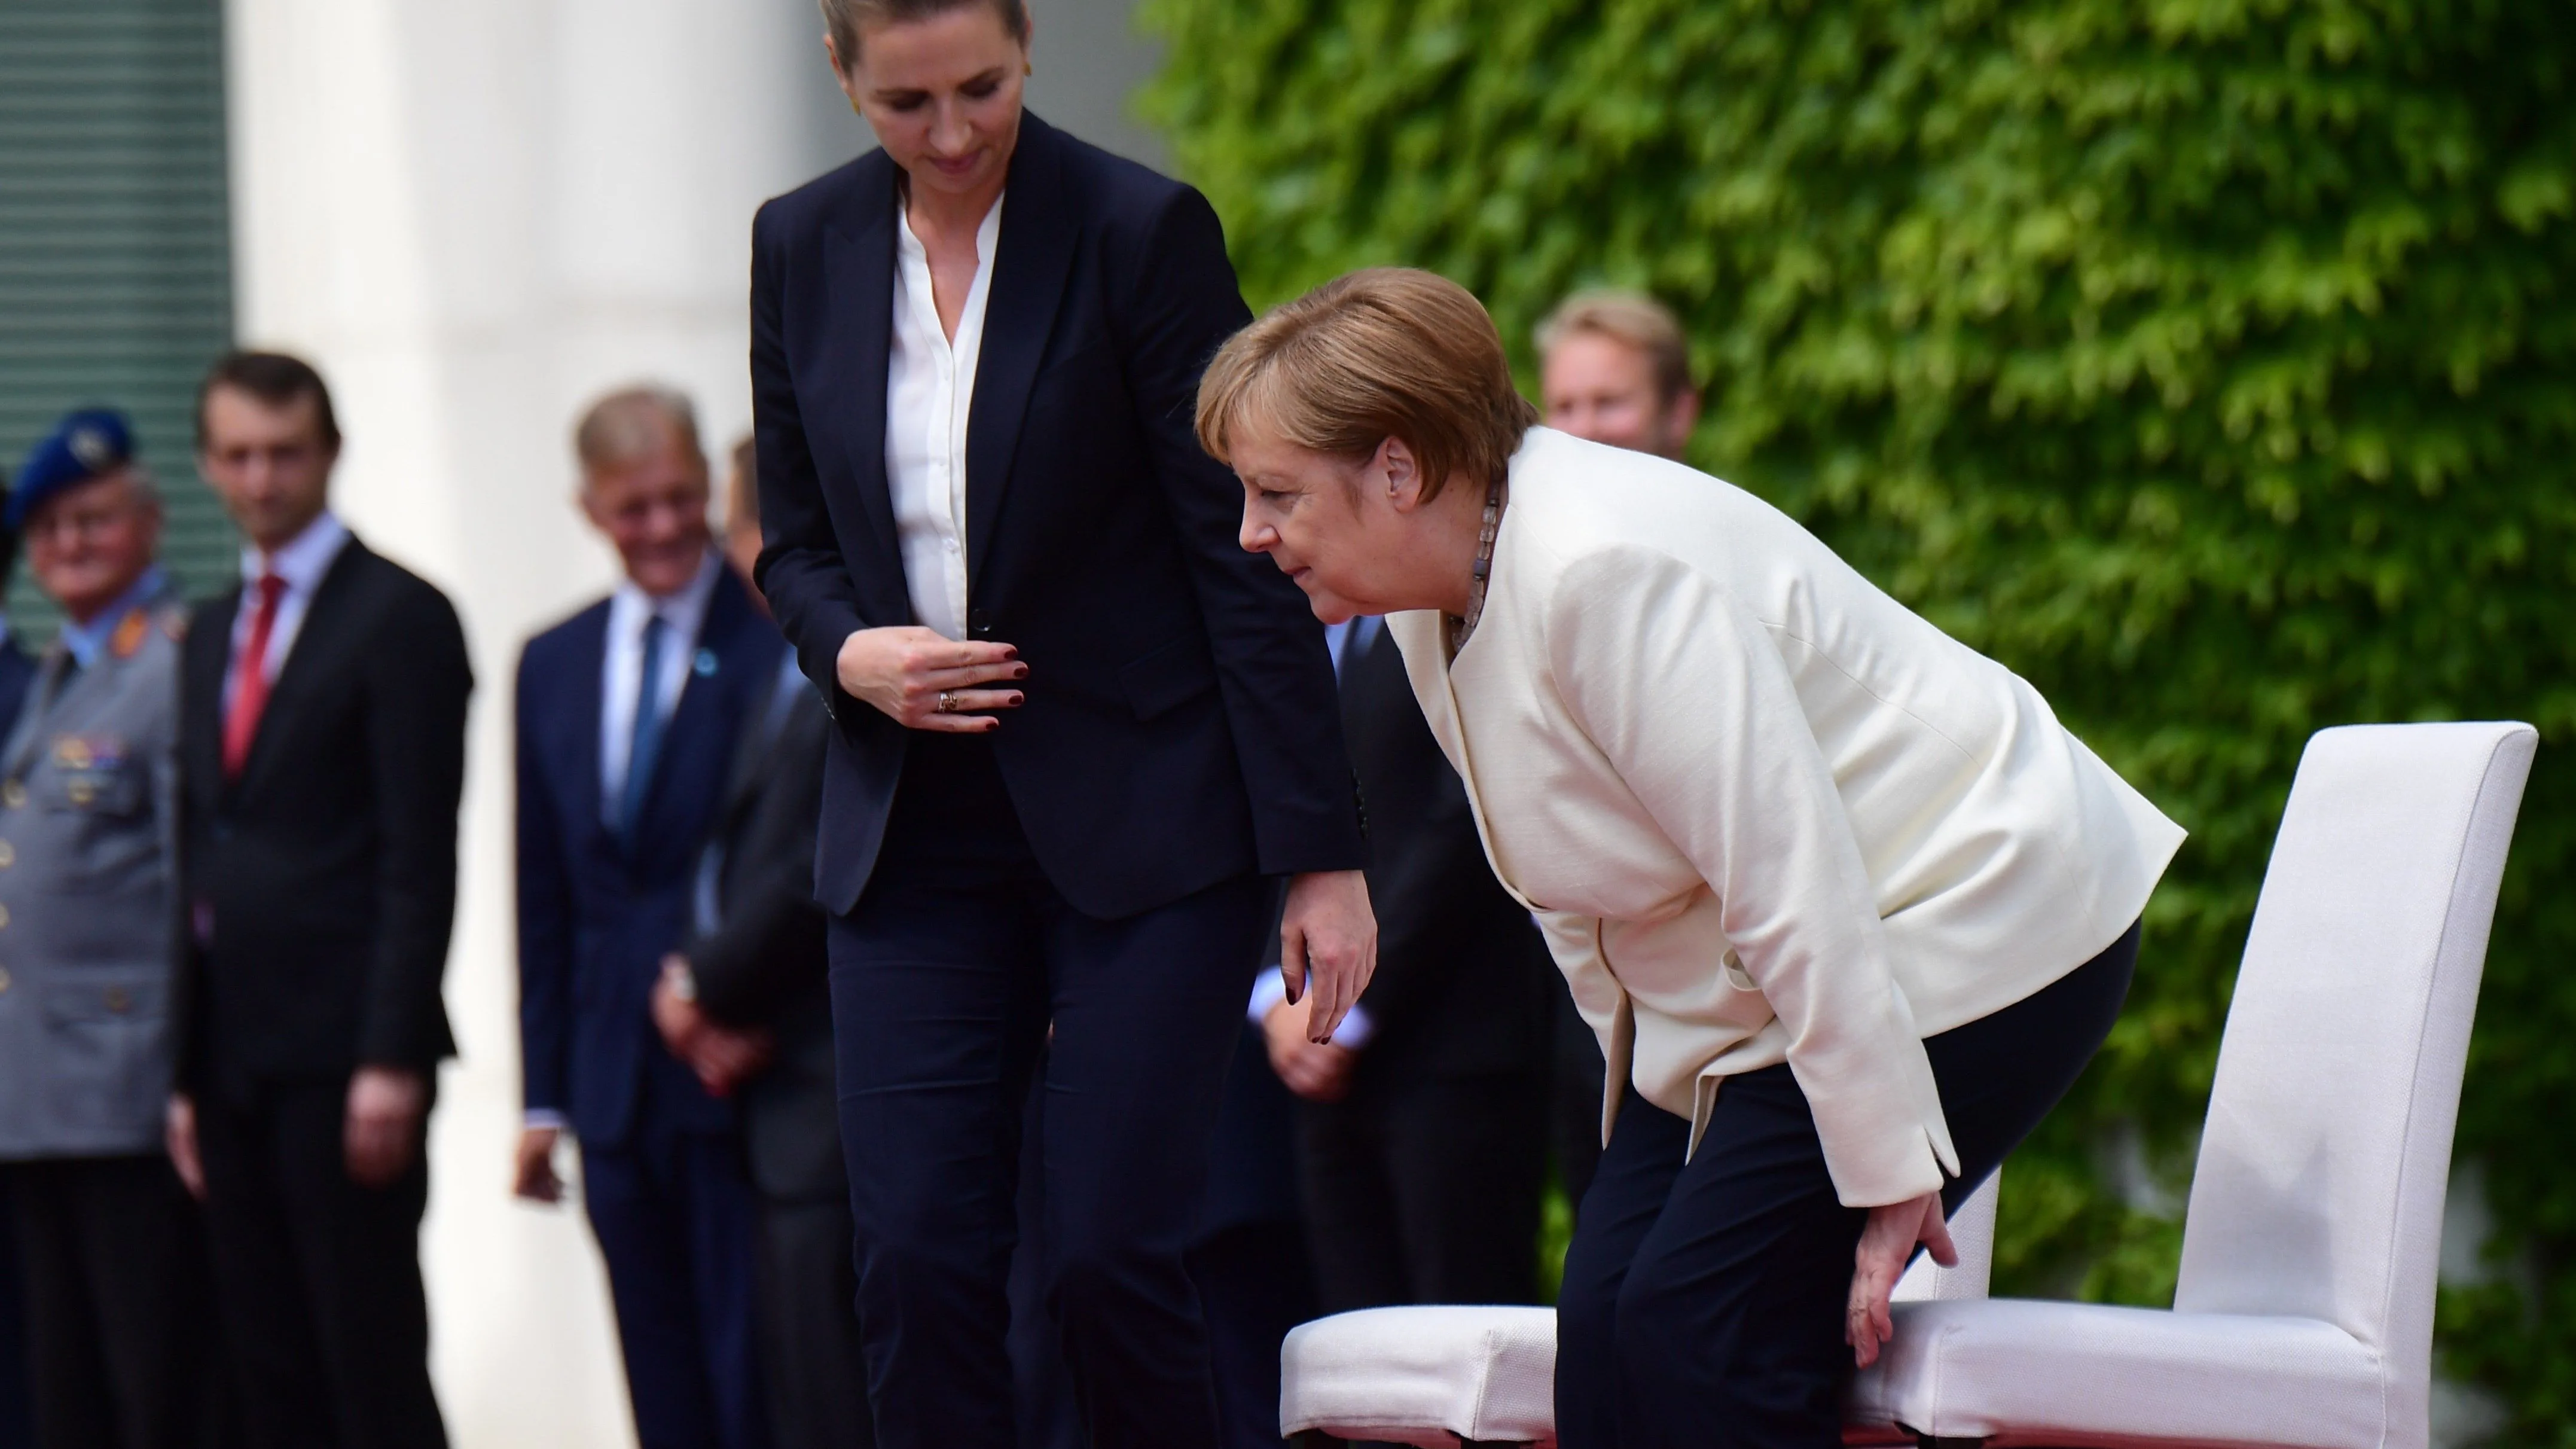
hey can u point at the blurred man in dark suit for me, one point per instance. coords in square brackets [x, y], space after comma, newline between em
[1613, 368]
[629, 715]
[321, 758]
[746, 1002]
[1424, 1139]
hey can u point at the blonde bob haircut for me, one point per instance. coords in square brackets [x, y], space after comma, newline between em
[1385, 353]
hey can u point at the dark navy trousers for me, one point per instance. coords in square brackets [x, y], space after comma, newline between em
[946, 978]
[678, 1224]
[1703, 1304]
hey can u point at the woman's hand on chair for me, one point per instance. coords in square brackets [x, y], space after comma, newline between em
[1885, 1246]
[924, 680]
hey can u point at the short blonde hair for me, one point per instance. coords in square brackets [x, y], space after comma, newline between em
[634, 422]
[1630, 318]
[1385, 353]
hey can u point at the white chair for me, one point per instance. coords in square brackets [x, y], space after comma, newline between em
[1441, 1377]
[2304, 1313]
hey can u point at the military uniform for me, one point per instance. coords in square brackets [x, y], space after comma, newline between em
[111, 1248]
[88, 821]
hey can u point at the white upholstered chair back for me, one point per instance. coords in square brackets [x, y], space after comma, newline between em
[1972, 1232]
[2328, 1145]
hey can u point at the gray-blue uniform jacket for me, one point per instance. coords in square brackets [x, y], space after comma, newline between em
[88, 905]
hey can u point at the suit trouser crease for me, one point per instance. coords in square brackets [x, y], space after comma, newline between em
[318, 1278]
[1426, 1191]
[809, 1339]
[946, 979]
[678, 1224]
[1703, 1303]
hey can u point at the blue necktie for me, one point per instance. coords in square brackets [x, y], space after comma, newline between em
[647, 738]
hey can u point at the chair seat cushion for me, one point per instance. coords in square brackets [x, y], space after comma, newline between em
[1425, 1376]
[2018, 1371]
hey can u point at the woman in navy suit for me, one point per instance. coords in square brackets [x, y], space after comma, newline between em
[1080, 735]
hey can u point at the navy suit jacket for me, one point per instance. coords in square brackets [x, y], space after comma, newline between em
[1180, 726]
[594, 921]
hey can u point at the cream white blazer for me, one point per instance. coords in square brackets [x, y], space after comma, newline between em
[1766, 813]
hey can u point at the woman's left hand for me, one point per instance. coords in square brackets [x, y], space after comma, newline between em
[1880, 1260]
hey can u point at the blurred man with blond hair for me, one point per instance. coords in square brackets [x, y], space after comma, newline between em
[1613, 368]
[629, 716]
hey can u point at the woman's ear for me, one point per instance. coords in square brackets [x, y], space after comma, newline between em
[1403, 473]
[841, 73]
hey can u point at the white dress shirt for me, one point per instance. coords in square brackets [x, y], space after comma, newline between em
[1766, 812]
[622, 670]
[930, 392]
[301, 563]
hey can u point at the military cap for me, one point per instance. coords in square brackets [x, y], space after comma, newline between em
[84, 445]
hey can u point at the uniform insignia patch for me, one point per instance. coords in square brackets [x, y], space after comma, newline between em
[129, 633]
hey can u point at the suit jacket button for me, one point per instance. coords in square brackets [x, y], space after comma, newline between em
[4, 980]
[979, 625]
[4, 918]
[14, 795]
[8, 855]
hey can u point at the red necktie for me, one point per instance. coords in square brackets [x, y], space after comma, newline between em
[250, 683]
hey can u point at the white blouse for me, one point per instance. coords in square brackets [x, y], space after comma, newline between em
[1765, 812]
[930, 393]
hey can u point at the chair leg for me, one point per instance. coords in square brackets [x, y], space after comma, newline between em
[1936, 1441]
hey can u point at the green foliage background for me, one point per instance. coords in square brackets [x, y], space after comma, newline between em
[2210, 362]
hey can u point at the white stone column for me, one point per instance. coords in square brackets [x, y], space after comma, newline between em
[473, 216]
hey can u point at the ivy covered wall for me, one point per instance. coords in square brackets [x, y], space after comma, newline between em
[2210, 362]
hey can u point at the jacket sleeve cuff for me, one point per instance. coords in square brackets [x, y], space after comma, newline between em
[818, 652]
[1885, 1138]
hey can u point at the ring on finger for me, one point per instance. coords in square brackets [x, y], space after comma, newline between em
[947, 701]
